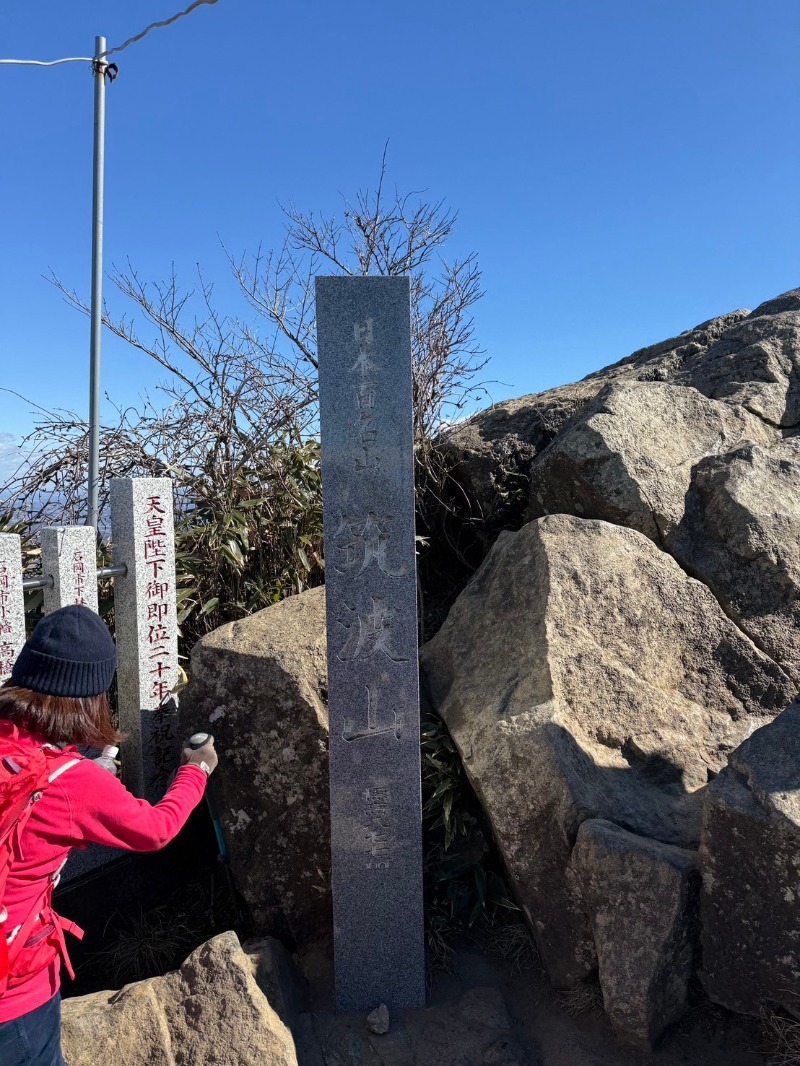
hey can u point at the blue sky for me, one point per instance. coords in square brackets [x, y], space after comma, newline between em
[623, 169]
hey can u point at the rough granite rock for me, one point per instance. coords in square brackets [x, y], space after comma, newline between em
[491, 452]
[259, 686]
[485, 1006]
[707, 481]
[750, 866]
[583, 674]
[210, 1012]
[639, 897]
[277, 976]
[743, 539]
[505, 1053]
[755, 363]
[378, 1020]
[632, 452]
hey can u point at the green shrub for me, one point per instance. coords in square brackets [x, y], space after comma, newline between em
[250, 539]
[464, 876]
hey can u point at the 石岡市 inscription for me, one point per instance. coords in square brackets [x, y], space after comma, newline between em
[12, 604]
[69, 556]
[364, 345]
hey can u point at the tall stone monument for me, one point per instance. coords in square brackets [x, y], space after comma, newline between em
[364, 346]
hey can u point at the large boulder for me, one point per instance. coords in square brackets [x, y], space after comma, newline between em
[260, 686]
[583, 674]
[706, 480]
[638, 895]
[743, 538]
[210, 1012]
[632, 452]
[491, 452]
[746, 359]
[750, 864]
[755, 363]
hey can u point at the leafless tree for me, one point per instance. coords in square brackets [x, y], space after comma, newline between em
[379, 235]
[236, 384]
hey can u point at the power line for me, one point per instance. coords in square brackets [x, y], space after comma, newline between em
[52, 63]
[156, 26]
[117, 48]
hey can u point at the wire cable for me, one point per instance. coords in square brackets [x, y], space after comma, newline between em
[156, 26]
[52, 63]
[117, 48]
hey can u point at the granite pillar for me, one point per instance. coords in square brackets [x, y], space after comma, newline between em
[146, 620]
[69, 555]
[364, 346]
[12, 603]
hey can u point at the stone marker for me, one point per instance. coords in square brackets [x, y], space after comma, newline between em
[364, 343]
[12, 603]
[69, 555]
[145, 615]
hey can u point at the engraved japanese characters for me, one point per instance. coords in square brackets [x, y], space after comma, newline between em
[363, 331]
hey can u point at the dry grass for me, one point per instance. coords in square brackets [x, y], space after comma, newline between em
[510, 941]
[440, 955]
[780, 1041]
[585, 998]
[146, 944]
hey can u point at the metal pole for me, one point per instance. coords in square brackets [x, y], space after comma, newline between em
[97, 281]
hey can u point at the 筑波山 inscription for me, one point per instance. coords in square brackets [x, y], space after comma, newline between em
[364, 343]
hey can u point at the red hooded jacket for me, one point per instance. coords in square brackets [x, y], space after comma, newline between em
[85, 804]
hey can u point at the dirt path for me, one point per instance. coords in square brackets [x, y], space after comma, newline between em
[493, 1013]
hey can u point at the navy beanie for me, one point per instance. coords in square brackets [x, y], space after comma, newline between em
[70, 653]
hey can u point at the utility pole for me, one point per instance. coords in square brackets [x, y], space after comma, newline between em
[99, 68]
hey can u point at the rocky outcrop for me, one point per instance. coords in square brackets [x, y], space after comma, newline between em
[749, 360]
[706, 480]
[638, 895]
[750, 862]
[602, 668]
[260, 686]
[210, 1012]
[583, 674]
[491, 453]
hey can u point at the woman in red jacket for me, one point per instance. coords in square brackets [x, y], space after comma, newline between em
[55, 700]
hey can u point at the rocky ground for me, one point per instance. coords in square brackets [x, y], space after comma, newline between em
[497, 1012]
[226, 1006]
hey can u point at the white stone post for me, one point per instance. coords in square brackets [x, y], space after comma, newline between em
[146, 622]
[69, 555]
[12, 603]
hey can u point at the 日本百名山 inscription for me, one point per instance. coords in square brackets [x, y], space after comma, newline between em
[364, 348]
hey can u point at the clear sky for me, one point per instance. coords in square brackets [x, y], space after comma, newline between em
[624, 168]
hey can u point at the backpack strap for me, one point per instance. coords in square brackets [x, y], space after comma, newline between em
[13, 942]
[61, 769]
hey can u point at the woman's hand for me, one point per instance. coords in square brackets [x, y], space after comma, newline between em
[205, 754]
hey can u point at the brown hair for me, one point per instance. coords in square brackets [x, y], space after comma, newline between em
[60, 719]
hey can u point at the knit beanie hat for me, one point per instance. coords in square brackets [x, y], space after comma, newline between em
[69, 653]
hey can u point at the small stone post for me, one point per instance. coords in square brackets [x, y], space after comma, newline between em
[69, 555]
[364, 343]
[12, 604]
[146, 621]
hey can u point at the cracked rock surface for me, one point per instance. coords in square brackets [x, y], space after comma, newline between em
[608, 658]
[583, 674]
[750, 860]
[259, 685]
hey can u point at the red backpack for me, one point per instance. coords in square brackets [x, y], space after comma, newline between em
[25, 772]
